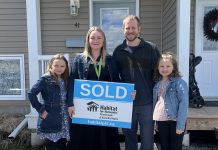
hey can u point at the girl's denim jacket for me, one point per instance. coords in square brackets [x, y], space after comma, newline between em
[175, 100]
[50, 92]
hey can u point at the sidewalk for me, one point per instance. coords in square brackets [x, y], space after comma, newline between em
[122, 146]
[194, 146]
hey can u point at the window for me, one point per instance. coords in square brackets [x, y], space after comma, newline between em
[12, 75]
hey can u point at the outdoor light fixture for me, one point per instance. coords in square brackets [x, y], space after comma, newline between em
[74, 7]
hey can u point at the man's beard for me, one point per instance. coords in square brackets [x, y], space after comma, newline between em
[132, 37]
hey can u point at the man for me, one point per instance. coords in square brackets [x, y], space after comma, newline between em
[136, 60]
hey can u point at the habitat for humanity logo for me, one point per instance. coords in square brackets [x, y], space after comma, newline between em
[92, 106]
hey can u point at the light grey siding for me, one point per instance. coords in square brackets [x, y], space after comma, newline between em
[192, 27]
[14, 107]
[58, 25]
[13, 31]
[169, 25]
[13, 40]
[150, 17]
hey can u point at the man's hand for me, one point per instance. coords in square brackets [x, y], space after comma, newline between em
[71, 111]
[133, 94]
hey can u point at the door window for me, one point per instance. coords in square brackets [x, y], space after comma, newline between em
[112, 26]
[109, 16]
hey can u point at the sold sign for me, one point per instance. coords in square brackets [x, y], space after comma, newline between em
[103, 90]
[103, 103]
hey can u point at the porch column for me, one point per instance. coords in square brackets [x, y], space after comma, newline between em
[183, 43]
[183, 36]
[34, 49]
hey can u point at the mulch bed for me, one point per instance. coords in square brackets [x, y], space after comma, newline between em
[7, 126]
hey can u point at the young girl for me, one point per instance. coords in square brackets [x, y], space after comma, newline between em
[170, 97]
[53, 122]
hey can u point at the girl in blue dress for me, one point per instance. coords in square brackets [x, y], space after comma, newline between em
[53, 122]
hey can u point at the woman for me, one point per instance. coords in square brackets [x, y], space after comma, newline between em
[93, 64]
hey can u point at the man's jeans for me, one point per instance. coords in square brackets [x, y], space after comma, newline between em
[142, 116]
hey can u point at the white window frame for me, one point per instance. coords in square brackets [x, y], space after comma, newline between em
[21, 71]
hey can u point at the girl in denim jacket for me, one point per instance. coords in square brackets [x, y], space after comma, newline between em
[170, 97]
[53, 122]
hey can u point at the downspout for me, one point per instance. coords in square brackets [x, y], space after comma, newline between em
[18, 129]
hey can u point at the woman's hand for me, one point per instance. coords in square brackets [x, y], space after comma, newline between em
[44, 114]
[133, 94]
[71, 111]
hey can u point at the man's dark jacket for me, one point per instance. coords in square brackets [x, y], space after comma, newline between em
[138, 68]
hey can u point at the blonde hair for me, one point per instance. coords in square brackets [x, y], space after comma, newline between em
[88, 51]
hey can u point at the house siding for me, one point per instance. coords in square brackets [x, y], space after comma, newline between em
[13, 40]
[150, 17]
[13, 30]
[192, 27]
[57, 25]
[169, 25]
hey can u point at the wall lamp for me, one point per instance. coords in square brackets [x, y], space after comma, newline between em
[74, 7]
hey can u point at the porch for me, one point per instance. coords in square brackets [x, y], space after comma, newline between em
[202, 119]
[205, 118]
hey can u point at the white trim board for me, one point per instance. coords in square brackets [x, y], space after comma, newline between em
[183, 37]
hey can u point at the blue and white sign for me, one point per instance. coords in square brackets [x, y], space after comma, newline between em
[103, 103]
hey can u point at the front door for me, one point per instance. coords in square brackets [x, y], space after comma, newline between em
[206, 71]
[109, 16]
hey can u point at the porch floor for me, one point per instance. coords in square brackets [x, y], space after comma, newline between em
[205, 118]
